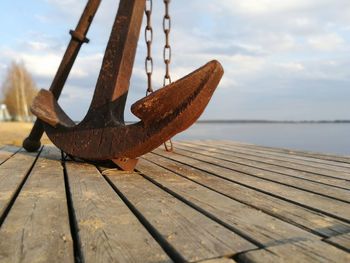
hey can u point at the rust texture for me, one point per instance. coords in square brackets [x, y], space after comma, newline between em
[102, 134]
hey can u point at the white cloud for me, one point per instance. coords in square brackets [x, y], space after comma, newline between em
[277, 7]
[37, 45]
[67, 6]
[292, 66]
[259, 7]
[244, 64]
[327, 42]
[47, 65]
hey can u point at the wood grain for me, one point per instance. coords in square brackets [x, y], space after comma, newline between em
[321, 203]
[37, 226]
[6, 152]
[261, 227]
[218, 260]
[342, 241]
[12, 174]
[274, 166]
[284, 160]
[192, 234]
[287, 156]
[299, 252]
[248, 169]
[312, 201]
[221, 203]
[340, 160]
[108, 230]
[319, 223]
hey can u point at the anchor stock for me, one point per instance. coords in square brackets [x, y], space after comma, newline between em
[78, 37]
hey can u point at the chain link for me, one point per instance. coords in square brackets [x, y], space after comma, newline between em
[149, 40]
[167, 47]
[167, 58]
[166, 52]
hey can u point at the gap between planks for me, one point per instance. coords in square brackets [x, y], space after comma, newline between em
[319, 203]
[36, 228]
[287, 157]
[108, 230]
[335, 192]
[272, 166]
[162, 189]
[193, 235]
[224, 209]
[341, 160]
[290, 212]
[6, 152]
[13, 174]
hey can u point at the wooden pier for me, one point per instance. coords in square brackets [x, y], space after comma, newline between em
[209, 201]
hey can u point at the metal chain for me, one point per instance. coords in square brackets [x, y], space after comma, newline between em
[149, 40]
[167, 47]
[167, 59]
[166, 52]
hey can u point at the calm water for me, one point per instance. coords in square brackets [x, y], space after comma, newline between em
[331, 138]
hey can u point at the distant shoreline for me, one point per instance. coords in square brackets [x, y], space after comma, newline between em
[269, 121]
[263, 122]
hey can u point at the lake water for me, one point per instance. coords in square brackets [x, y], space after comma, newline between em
[333, 138]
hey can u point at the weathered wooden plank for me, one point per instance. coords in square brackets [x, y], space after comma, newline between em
[12, 174]
[218, 260]
[314, 172]
[238, 159]
[193, 235]
[280, 153]
[318, 223]
[258, 226]
[342, 241]
[305, 251]
[342, 160]
[37, 226]
[313, 201]
[314, 187]
[283, 159]
[288, 158]
[6, 152]
[108, 230]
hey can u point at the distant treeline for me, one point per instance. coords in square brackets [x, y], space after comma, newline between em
[269, 121]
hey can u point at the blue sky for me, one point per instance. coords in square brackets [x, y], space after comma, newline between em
[283, 60]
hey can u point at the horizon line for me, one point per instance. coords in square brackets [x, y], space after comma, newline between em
[263, 121]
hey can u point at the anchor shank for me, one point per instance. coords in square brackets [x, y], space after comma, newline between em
[113, 82]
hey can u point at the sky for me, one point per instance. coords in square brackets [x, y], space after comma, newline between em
[283, 59]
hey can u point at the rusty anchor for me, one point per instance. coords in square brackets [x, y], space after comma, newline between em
[102, 134]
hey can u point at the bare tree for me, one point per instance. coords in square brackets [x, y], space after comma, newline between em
[19, 91]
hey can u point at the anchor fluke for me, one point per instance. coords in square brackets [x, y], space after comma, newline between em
[166, 101]
[46, 108]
